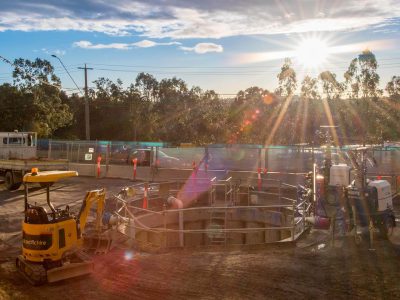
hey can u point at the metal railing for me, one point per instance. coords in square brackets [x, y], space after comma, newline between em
[287, 216]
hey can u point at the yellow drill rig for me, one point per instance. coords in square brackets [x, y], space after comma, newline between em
[53, 241]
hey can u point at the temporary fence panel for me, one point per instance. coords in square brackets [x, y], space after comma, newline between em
[234, 158]
[181, 158]
[284, 159]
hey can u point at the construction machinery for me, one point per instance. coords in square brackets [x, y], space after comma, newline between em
[350, 200]
[370, 200]
[54, 241]
[18, 155]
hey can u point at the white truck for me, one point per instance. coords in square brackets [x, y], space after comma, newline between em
[18, 155]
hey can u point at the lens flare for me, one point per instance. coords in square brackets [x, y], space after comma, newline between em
[128, 255]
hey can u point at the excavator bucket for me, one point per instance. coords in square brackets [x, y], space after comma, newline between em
[69, 271]
[97, 244]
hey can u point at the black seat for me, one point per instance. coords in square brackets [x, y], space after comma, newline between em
[36, 215]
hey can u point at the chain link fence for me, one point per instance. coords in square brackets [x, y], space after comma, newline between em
[296, 159]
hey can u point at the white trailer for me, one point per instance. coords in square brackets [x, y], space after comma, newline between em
[18, 156]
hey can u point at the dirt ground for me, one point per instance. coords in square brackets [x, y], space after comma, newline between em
[311, 270]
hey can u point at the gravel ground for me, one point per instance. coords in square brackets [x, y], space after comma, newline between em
[310, 270]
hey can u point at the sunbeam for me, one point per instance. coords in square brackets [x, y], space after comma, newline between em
[281, 115]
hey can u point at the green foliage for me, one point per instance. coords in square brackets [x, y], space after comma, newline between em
[287, 80]
[393, 88]
[309, 89]
[330, 86]
[17, 109]
[35, 102]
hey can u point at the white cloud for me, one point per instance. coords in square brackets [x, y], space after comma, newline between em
[147, 44]
[122, 46]
[202, 48]
[60, 52]
[195, 19]
[57, 52]
[89, 45]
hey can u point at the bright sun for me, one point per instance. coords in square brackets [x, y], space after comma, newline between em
[312, 52]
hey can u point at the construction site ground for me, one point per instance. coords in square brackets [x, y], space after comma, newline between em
[312, 269]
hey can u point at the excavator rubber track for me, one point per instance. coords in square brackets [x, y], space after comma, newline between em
[34, 273]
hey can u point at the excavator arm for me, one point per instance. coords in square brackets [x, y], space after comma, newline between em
[95, 196]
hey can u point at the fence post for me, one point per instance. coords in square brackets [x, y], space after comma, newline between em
[107, 157]
[279, 191]
[77, 156]
[181, 240]
[49, 150]
[293, 221]
[206, 159]
[304, 214]
[165, 225]
[145, 196]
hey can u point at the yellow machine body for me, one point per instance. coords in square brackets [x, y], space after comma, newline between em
[50, 239]
[48, 176]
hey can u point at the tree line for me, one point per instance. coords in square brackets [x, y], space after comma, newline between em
[169, 110]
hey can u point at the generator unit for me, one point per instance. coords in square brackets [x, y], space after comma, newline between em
[375, 204]
[339, 175]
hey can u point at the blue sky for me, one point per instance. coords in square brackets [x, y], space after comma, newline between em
[221, 45]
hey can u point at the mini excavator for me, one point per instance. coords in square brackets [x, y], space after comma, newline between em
[54, 241]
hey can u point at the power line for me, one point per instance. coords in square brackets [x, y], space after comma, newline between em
[247, 73]
[211, 67]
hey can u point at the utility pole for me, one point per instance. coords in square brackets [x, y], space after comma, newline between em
[87, 123]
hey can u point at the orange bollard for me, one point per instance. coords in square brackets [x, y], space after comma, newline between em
[145, 196]
[98, 166]
[134, 161]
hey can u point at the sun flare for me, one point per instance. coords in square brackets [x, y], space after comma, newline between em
[312, 52]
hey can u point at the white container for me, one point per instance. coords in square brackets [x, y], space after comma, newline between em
[384, 190]
[339, 175]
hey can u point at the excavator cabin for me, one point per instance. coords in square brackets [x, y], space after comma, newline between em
[52, 237]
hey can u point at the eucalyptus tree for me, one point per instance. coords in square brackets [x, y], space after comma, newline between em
[38, 82]
[392, 131]
[393, 88]
[309, 104]
[309, 89]
[330, 86]
[287, 81]
[17, 109]
[148, 86]
[362, 82]
[283, 131]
